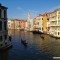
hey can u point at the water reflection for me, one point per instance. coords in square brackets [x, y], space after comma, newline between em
[56, 48]
[38, 48]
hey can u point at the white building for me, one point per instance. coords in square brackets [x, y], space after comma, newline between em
[9, 24]
[54, 25]
[38, 23]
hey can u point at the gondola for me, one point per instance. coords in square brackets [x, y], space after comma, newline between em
[23, 42]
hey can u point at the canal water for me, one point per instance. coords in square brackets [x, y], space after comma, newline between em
[37, 48]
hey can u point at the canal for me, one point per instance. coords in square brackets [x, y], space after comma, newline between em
[37, 48]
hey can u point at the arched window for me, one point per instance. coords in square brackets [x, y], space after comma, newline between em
[0, 38]
[5, 25]
[0, 25]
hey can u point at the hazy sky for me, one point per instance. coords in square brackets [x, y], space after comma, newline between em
[20, 8]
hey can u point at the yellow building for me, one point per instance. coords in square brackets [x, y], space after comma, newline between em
[41, 22]
[45, 22]
[11, 24]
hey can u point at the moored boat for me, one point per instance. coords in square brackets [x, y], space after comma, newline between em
[37, 32]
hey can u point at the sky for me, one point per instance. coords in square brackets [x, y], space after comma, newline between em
[18, 9]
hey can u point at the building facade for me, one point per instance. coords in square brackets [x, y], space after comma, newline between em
[37, 23]
[54, 19]
[17, 24]
[23, 24]
[4, 41]
[11, 24]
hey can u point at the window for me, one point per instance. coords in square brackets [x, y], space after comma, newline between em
[1, 44]
[5, 14]
[58, 33]
[0, 25]
[48, 19]
[55, 33]
[59, 28]
[58, 16]
[8, 22]
[42, 28]
[39, 28]
[42, 18]
[59, 22]
[8, 25]
[59, 12]
[37, 23]
[0, 38]
[5, 37]
[0, 13]
[39, 19]
[5, 25]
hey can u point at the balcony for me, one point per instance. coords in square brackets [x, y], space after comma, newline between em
[57, 25]
[53, 25]
[53, 20]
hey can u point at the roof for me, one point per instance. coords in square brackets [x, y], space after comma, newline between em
[3, 7]
[17, 20]
[57, 9]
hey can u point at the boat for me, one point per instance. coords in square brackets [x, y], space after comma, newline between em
[42, 37]
[10, 38]
[24, 42]
[37, 32]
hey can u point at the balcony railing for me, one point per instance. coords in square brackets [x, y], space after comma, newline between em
[53, 25]
[53, 20]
